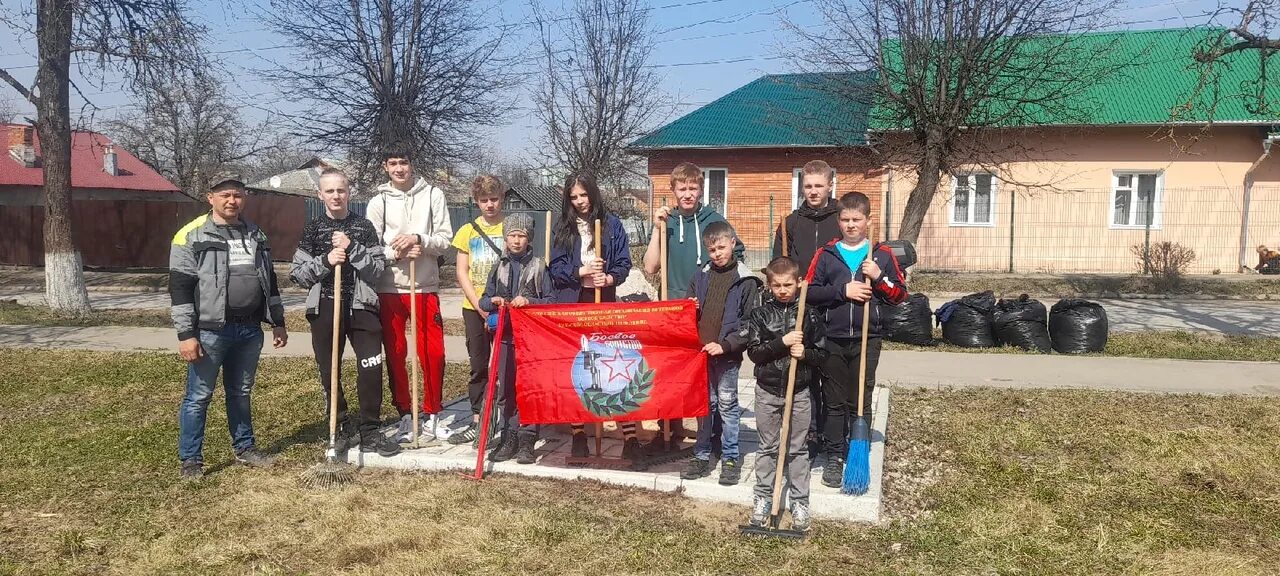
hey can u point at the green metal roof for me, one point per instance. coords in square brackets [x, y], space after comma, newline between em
[777, 110]
[1149, 74]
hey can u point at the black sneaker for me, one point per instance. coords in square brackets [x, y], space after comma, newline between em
[192, 469]
[631, 448]
[346, 437]
[730, 473]
[254, 459]
[833, 472]
[506, 450]
[385, 447]
[696, 469]
[464, 436]
[578, 445]
[524, 449]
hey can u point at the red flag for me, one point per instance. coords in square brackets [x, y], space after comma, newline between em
[613, 361]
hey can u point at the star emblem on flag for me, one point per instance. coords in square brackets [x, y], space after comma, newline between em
[618, 366]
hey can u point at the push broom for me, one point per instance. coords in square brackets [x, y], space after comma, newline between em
[857, 466]
[773, 528]
[332, 473]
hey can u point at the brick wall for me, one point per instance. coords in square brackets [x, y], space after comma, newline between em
[756, 174]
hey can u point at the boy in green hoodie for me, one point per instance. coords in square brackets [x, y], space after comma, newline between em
[683, 229]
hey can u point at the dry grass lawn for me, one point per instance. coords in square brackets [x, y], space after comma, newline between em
[979, 482]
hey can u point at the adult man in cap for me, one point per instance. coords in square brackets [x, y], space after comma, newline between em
[222, 287]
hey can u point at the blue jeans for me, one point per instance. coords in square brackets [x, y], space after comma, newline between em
[722, 376]
[234, 350]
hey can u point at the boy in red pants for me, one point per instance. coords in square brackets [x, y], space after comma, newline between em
[412, 221]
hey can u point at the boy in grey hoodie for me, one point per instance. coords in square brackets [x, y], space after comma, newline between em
[412, 221]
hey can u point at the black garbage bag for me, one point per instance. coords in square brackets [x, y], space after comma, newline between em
[967, 322]
[1022, 323]
[910, 322]
[1078, 326]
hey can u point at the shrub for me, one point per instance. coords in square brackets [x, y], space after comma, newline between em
[1166, 262]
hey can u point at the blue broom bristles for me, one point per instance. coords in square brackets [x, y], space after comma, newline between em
[857, 467]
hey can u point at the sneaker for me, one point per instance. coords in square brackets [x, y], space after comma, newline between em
[760, 508]
[439, 430]
[426, 428]
[800, 516]
[696, 469]
[404, 430]
[525, 449]
[254, 459]
[578, 445]
[192, 469]
[506, 448]
[465, 435]
[345, 438]
[631, 448]
[730, 473]
[385, 447]
[833, 472]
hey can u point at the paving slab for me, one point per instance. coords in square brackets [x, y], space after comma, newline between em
[553, 447]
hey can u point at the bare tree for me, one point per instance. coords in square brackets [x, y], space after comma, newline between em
[597, 92]
[8, 110]
[131, 35]
[282, 153]
[422, 74]
[187, 129]
[951, 78]
[1249, 29]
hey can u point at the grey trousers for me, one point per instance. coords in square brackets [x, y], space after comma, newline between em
[769, 426]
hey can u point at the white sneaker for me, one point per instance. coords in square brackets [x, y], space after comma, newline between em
[426, 428]
[439, 428]
[760, 509]
[800, 516]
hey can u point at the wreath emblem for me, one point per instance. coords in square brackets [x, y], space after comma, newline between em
[611, 379]
[625, 401]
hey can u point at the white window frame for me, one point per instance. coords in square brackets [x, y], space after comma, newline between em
[797, 177]
[706, 187]
[1157, 203]
[991, 213]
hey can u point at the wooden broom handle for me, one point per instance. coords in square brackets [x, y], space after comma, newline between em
[662, 255]
[785, 251]
[335, 360]
[784, 435]
[597, 243]
[866, 327]
[415, 381]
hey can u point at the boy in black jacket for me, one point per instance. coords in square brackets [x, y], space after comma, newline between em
[519, 279]
[839, 271]
[772, 341]
[335, 239]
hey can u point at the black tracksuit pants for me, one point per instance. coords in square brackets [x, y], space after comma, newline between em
[479, 344]
[364, 329]
[840, 390]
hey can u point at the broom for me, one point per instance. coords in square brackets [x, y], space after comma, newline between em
[857, 466]
[331, 473]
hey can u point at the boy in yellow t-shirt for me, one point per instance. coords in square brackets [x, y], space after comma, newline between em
[479, 244]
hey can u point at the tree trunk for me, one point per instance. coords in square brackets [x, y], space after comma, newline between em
[63, 271]
[928, 175]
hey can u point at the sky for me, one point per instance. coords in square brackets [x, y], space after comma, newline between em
[703, 50]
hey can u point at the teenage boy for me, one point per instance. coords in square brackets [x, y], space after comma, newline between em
[413, 224]
[816, 221]
[335, 240]
[810, 227]
[772, 343]
[725, 289]
[839, 271]
[519, 280]
[683, 227]
[477, 243]
[222, 287]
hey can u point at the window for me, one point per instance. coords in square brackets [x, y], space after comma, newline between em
[797, 181]
[973, 200]
[1135, 199]
[715, 189]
